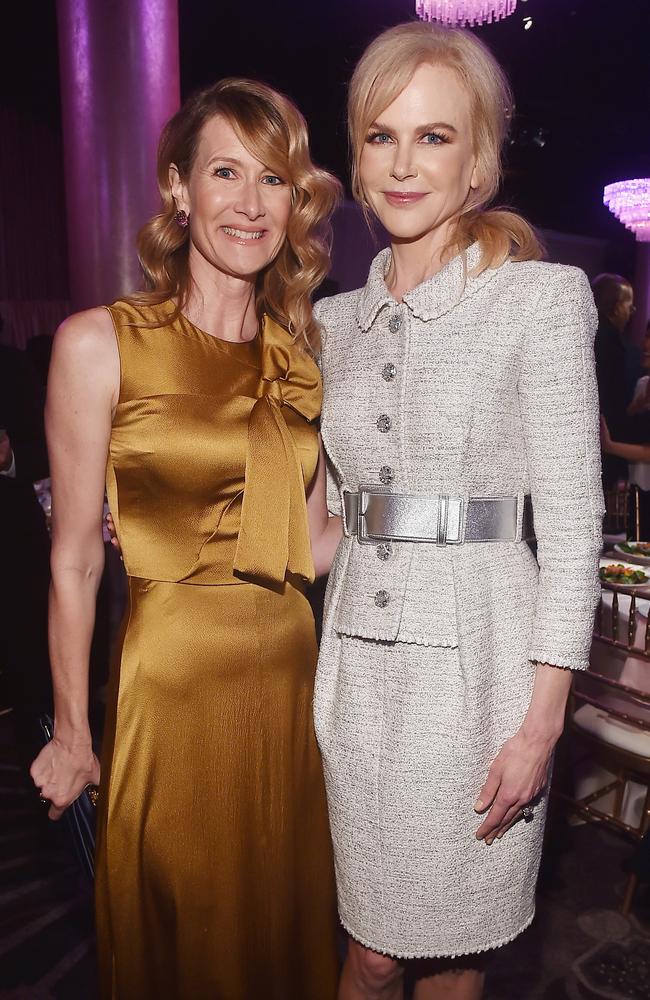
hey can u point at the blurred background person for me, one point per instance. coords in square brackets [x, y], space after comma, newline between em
[614, 298]
[640, 403]
[635, 451]
[24, 549]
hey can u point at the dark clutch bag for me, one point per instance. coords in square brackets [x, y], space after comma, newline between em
[79, 818]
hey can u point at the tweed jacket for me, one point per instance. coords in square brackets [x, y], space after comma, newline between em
[472, 386]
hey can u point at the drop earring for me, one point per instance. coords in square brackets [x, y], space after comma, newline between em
[181, 219]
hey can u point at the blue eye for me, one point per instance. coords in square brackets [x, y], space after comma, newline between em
[434, 139]
[273, 180]
[224, 172]
[379, 138]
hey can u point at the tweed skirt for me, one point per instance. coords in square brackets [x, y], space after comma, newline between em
[407, 734]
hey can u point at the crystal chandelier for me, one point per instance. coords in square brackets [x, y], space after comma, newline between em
[629, 201]
[461, 13]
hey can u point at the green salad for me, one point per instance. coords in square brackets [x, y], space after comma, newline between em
[625, 575]
[635, 548]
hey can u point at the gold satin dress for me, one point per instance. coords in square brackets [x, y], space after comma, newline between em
[214, 868]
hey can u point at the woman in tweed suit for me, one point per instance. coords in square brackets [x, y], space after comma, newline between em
[462, 376]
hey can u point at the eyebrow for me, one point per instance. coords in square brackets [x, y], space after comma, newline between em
[429, 127]
[216, 158]
[224, 159]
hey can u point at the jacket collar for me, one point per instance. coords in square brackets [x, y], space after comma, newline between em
[434, 297]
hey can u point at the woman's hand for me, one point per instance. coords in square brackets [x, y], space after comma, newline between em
[325, 532]
[61, 772]
[518, 775]
[115, 542]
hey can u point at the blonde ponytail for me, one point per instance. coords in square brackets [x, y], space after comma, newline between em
[502, 234]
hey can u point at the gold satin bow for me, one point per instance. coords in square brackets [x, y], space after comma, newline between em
[274, 531]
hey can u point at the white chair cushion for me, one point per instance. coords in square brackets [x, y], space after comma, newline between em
[611, 538]
[613, 731]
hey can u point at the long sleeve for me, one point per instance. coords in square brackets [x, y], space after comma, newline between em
[559, 406]
[334, 505]
[333, 493]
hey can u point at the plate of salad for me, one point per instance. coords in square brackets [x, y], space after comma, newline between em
[636, 552]
[623, 576]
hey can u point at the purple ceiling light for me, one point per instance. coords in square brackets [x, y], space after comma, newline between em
[463, 13]
[629, 201]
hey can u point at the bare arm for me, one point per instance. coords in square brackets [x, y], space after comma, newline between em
[325, 531]
[82, 392]
[630, 452]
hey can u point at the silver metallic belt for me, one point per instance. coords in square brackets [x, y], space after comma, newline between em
[374, 515]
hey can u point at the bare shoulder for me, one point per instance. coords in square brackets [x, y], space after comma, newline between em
[88, 337]
[88, 329]
[85, 357]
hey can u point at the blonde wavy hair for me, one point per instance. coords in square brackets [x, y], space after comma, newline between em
[387, 67]
[273, 130]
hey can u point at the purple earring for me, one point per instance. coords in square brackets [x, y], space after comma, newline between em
[181, 219]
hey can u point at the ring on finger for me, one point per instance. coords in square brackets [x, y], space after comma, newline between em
[528, 813]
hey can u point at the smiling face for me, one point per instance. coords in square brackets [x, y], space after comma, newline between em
[238, 208]
[418, 165]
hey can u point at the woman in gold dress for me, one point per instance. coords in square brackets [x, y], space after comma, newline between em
[214, 870]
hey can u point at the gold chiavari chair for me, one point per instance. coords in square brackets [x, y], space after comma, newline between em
[622, 512]
[610, 720]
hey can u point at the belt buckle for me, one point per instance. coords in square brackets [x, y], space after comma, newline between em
[365, 492]
[451, 512]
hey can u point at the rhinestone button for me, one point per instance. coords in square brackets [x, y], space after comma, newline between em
[394, 323]
[382, 597]
[386, 474]
[384, 423]
[388, 372]
[384, 551]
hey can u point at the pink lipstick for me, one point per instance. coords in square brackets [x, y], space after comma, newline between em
[403, 198]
